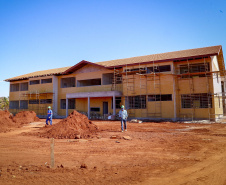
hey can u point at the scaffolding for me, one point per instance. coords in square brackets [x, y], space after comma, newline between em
[38, 102]
[198, 100]
[151, 77]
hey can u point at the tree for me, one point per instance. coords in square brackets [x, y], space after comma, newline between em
[4, 103]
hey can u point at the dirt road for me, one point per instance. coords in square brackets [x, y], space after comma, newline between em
[158, 153]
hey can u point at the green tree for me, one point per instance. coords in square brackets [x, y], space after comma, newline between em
[4, 103]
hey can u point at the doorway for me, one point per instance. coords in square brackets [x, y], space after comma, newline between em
[105, 108]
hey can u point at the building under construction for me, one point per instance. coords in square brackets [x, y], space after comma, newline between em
[180, 85]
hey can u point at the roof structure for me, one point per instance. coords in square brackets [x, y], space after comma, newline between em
[162, 57]
[49, 72]
[169, 56]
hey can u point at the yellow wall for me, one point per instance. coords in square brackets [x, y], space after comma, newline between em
[34, 92]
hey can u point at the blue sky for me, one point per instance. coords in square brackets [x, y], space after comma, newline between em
[44, 34]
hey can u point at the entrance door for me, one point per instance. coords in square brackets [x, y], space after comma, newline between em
[105, 108]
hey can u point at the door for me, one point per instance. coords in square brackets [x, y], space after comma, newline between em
[105, 108]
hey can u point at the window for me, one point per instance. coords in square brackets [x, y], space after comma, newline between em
[194, 68]
[45, 81]
[141, 70]
[46, 101]
[68, 82]
[95, 109]
[63, 103]
[202, 100]
[71, 103]
[14, 87]
[24, 86]
[23, 104]
[107, 78]
[118, 101]
[158, 69]
[91, 82]
[34, 82]
[33, 101]
[136, 102]
[14, 104]
[158, 97]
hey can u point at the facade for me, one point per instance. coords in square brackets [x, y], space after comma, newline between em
[180, 85]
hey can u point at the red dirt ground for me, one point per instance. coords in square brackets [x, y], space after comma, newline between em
[158, 154]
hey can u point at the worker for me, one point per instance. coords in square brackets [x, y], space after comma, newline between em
[123, 116]
[49, 116]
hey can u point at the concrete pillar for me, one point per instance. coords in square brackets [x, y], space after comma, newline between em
[174, 94]
[66, 107]
[88, 107]
[114, 112]
[55, 95]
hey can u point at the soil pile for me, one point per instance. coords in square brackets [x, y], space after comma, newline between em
[7, 121]
[75, 126]
[25, 117]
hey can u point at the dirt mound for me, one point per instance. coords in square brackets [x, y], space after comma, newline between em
[25, 117]
[7, 121]
[76, 125]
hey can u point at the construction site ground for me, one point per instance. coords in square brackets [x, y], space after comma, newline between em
[152, 153]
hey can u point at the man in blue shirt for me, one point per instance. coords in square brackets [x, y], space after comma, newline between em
[123, 115]
[49, 116]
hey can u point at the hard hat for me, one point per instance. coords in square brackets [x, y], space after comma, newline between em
[122, 106]
[49, 107]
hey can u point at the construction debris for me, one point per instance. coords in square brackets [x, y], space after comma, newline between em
[127, 138]
[135, 121]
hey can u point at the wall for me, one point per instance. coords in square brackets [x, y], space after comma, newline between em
[33, 93]
[87, 72]
[217, 90]
[135, 85]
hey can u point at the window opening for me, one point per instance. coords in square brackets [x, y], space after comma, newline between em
[137, 102]
[14, 87]
[158, 97]
[90, 82]
[45, 81]
[68, 82]
[34, 82]
[33, 101]
[196, 100]
[23, 104]
[14, 104]
[95, 109]
[45, 101]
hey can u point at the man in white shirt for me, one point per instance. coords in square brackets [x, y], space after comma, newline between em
[123, 115]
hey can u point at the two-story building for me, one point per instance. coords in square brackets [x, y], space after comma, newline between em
[186, 84]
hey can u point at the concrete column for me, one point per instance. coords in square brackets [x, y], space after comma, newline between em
[88, 107]
[114, 112]
[66, 107]
[174, 94]
[55, 95]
